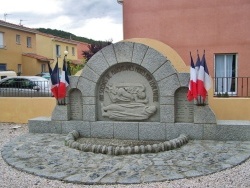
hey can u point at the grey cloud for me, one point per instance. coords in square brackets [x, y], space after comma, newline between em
[77, 10]
[94, 9]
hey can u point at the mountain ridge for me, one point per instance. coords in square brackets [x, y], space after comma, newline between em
[66, 35]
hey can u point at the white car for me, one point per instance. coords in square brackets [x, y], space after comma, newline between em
[25, 86]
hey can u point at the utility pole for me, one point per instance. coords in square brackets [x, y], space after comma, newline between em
[20, 23]
[5, 16]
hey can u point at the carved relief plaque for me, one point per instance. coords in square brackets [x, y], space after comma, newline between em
[128, 92]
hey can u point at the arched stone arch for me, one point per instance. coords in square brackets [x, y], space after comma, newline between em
[160, 68]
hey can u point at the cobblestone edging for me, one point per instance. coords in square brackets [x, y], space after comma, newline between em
[71, 138]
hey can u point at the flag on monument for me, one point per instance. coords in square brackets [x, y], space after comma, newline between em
[192, 91]
[54, 79]
[64, 81]
[197, 64]
[203, 79]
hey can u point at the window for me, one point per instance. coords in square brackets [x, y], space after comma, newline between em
[8, 83]
[73, 51]
[1, 40]
[43, 67]
[3, 67]
[58, 50]
[19, 69]
[225, 73]
[18, 39]
[25, 83]
[29, 42]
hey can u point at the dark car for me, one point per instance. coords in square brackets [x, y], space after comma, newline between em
[25, 86]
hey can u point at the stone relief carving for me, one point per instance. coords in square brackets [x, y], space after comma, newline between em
[129, 102]
[126, 92]
[128, 67]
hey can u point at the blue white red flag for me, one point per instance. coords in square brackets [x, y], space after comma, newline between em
[203, 79]
[54, 79]
[192, 91]
[64, 81]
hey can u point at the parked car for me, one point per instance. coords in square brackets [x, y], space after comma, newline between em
[25, 86]
[44, 75]
[5, 74]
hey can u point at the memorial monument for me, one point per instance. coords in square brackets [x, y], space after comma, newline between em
[129, 90]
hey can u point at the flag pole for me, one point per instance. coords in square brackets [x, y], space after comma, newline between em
[64, 61]
[197, 99]
[58, 80]
[63, 80]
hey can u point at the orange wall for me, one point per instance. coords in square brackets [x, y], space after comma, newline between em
[20, 110]
[218, 26]
[229, 108]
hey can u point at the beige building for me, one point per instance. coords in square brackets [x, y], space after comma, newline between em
[54, 48]
[14, 41]
[28, 51]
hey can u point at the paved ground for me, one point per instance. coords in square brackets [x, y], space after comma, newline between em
[45, 155]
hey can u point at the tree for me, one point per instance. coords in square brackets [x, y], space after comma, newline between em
[93, 48]
[74, 68]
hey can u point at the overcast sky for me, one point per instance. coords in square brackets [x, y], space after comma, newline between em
[93, 19]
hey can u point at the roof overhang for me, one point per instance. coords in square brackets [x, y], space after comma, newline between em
[17, 27]
[38, 57]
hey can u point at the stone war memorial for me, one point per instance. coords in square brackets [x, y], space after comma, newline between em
[129, 91]
[123, 113]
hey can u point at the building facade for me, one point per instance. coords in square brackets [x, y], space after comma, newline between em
[221, 28]
[14, 41]
[28, 51]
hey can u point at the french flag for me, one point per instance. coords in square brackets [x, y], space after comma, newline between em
[192, 91]
[203, 79]
[54, 79]
[64, 82]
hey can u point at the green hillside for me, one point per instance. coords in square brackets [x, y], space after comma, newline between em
[66, 35]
